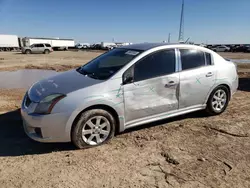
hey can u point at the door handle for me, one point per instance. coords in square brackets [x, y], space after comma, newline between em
[170, 84]
[209, 74]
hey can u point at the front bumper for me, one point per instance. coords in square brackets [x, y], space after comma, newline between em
[46, 128]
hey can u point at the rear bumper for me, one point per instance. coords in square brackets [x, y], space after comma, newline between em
[235, 85]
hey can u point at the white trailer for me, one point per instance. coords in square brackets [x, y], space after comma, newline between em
[56, 43]
[106, 45]
[9, 42]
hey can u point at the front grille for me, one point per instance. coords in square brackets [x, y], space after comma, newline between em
[27, 101]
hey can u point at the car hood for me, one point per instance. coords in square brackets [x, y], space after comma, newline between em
[62, 83]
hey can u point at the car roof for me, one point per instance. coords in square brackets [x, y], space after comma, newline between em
[148, 46]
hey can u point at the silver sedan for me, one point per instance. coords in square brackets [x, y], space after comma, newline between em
[127, 87]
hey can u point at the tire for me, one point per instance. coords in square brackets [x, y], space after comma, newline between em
[27, 51]
[46, 51]
[90, 138]
[214, 108]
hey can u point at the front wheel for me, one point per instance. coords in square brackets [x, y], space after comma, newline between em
[27, 51]
[94, 127]
[218, 100]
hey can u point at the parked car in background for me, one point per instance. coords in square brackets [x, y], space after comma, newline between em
[37, 48]
[96, 46]
[82, 45]
[209, 47]
[240, 48]
[126, 87]
[248, 49]
[221, 49]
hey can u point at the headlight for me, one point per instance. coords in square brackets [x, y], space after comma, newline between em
[46, 105]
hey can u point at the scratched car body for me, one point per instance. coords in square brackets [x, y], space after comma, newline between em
[126, 87]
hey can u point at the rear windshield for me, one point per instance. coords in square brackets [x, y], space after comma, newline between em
[106, 65]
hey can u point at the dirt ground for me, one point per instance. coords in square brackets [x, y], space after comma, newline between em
[59, 61]
[188, 151]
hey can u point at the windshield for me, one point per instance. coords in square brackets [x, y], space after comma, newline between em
[106, 65]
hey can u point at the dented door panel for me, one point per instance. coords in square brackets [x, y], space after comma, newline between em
[149, 97]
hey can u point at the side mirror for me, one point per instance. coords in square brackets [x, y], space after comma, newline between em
[127, 79]
[128, 76]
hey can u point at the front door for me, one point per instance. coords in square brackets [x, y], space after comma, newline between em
[40, 48]
[35, 48]
[154, 89]
[196, 78]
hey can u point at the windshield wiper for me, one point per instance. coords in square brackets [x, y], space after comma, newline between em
[82, 71]
[89, 74]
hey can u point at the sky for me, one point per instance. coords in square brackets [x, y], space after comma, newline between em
[205, 21]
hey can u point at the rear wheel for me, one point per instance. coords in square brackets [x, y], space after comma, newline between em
[46, 51]
[28, 51]
[94, 127]
[218, 100]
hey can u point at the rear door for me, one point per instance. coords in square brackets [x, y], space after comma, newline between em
[154, 87]
[197, 77]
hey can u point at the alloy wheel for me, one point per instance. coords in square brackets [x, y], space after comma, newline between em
[96, 130]
[219, 100]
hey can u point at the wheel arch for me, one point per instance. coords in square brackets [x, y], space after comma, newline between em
[221, 84]
[46, 50]
[98, 106]
[229, 89]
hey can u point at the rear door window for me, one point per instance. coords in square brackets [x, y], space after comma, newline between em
[191, 59]
[208, 59]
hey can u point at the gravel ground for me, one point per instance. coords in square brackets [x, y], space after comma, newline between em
[188, 151]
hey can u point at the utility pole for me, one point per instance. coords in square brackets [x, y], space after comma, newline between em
[181, 31]
[169, 38]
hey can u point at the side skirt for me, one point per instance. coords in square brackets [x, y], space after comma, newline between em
[161, 116]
